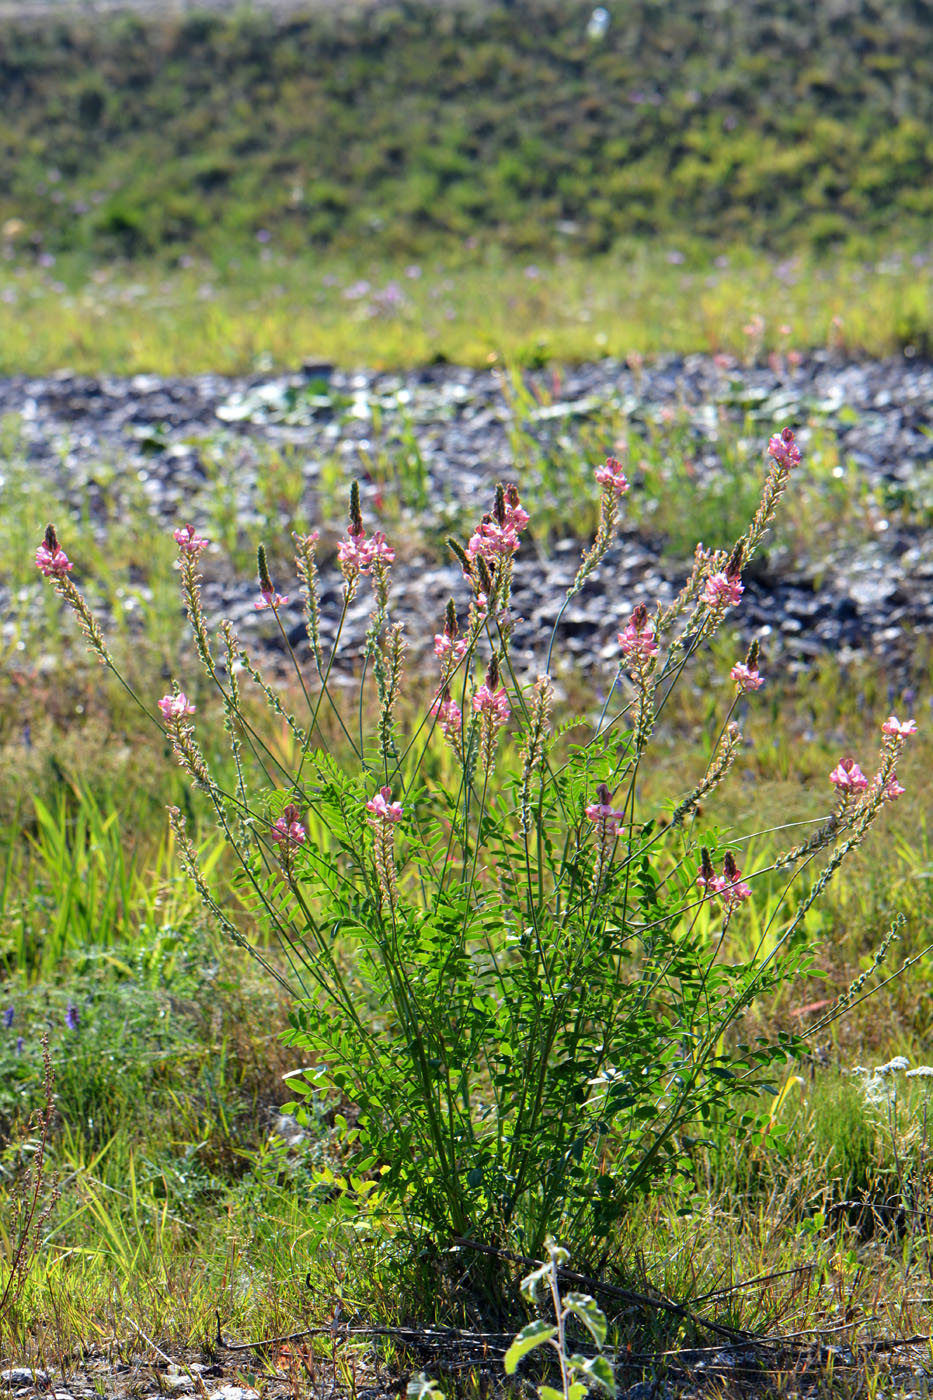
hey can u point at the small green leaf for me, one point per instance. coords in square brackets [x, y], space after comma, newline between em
[529, 1284]
[528, 1338]
[547, 1392]
[593, 1318]
[597, 1369]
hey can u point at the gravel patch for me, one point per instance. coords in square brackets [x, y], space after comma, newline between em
[870, 595]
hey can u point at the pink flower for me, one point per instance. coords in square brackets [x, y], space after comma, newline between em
[641, 643]
[722, 591]
[288, 830]
[729, 885]
[603, 813]
[449, 717]
[383, 808]
[746, 677]
[893, 725]
[784, 449]
[53, 563]
[612, 475]
[494, 703]
[268, 598]
[848, 776]
[893, 789]
[380, 551]
[175, 706]
[732, 889]
[516, 516]
[355, 552]
[188, 540]
[638, 639]
[493, 541]
[444, 645]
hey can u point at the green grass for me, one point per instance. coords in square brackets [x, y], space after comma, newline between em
[240, 315]
[404, 126]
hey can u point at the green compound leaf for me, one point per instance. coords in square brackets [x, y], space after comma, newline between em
[528, 1338]
[593, 1318]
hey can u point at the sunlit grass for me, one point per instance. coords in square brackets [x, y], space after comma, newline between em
[272, 310]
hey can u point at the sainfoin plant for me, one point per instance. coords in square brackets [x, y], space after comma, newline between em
[514, 983]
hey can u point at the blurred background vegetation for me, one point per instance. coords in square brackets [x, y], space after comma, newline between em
[788, 127]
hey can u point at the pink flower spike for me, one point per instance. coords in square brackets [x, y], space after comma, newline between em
[612, 475]
[784, 449]
[383, 807]
[288, 830]
[746, 677]
[189, 541]
[492, 702]
[848, 776]
[268, 598]
[638, 638]
[893, 725]
[175, 706]
[722, 591]
[53, 563]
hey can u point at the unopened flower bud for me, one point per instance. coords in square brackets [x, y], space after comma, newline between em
[265, 582]
[734, 566]
[460, 555]
[355, 513]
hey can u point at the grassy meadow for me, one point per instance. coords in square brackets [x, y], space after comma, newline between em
[492, 184]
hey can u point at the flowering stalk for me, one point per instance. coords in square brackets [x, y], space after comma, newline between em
[288, 835]
[306, 568]
[785, 455]
[491, 703]
[190, 544]
[53, 563]
[268, 598]
[534, 752]
[449, 646]
[384, 814]
[175, 709]
[614, 485]
[719, 765]
[388, 671]
[640, 649]
[450, 720]
[607, 820]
